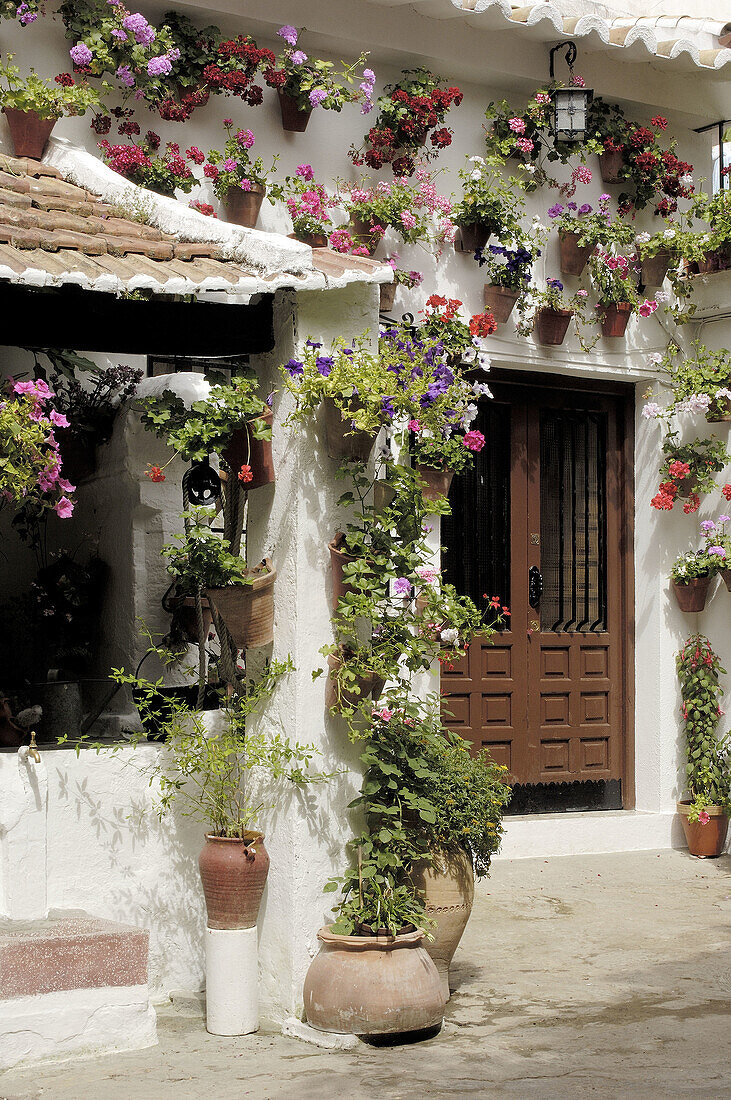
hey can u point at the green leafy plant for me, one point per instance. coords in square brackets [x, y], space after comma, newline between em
[202, 559]
[37, 94]
[399, 206]
[488, 199]
[235, 167]
[592, 227]
[314, 83]
[308, 203]
[31, 473]
[689, 470]
[708, 768]
[443, 324]
[700, 382]
[691, 565]
[140, 163]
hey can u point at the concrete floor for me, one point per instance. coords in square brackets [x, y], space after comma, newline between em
[603, 976]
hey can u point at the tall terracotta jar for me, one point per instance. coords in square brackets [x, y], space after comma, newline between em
[614, 318]
[373, 985]
[551, 325]
[341, 441]
[706, 841]
[574, 257]
[610, 166]
[30, 132]
[233, 872]
[245, 448]
[448, 885]
[242, 207]
[248, 609]
[655, 268]
[692, 595]
[500, 300]
[436, 482]
[474, 236]
[294, 120]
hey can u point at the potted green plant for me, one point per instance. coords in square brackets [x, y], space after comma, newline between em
[508, 273]
[700, 382]
[489, 205]
[706, 812]
[691, 576]
[139, 162]
[689, 470]
[443, 323]
[372, 210]
[33, 106]
[613, 276]
[469, 794]
[239, 181]
[552, 312]
[305, 83]
[438, 458]
[717, 536]
[715, 212]
[243, 596]
[388, 291]
[656, 252]
[581, 229]
[308, 205]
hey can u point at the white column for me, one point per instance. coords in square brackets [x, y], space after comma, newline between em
[232, 981]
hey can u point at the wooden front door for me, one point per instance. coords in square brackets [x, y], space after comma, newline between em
[543, 521]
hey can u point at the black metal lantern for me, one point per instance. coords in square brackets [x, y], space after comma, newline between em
[570, 105]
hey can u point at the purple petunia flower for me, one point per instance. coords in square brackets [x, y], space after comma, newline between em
[324, 364]
[585, 208]
[556, 210]
[299, 57]
[294, 368]
[388, 407]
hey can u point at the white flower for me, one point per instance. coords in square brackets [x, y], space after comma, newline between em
[449, 635]
[427, 434]
[669, 234]
[476, 160]
[469, 415]
[723, 392]
[654, 359]
[642, 238]
[699, 402]
[540, 228]
[481, 389]
[686, 180]
[651, 410]
[476, 175]
[662, 296]
[484, 361]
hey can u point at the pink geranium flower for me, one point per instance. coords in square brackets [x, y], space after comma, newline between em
[474, 440]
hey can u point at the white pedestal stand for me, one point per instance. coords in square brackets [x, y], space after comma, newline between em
[232, 981]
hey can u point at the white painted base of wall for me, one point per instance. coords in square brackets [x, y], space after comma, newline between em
[232, 981]
[573, 834]
[75, 1023]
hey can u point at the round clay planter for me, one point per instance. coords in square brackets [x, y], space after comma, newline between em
[721, 413]
[614, 318]
[185, 613]
[341, 440]
[30, 133]
[655, 268]
[610, 166]
[719, 260]
[550, 325]
[370, 686]
[474, 237]
[248, 609]
[294, 121]
[726, 574]
[339, 559]
[314, 240]
[242, 207]
[448, 886]
[360, 231]
[233, 872]
[388, 297]
[704, 841]
[373, 985]
[244, 448]
[574, 258]
[500, 300]
[436, 482]
[692, 596]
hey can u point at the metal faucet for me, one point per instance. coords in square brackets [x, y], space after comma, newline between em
[33, 748]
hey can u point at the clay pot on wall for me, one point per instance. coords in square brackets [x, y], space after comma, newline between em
[655, 268]
[692, 596]
[474, 237]
[294, 120]
[610, 166]
[360, 231]
[719, 260]
[339, 559]
[448, 886]
[242, 207]
[370, 686]
[726, 574]
[614, 318]
[248, 609]
[340, 439]
[388, 297]
[436, 482]
[373, 985]
[574, 257]
[184, 610]
[500, 300]
[233, 872]
[29, 132]
[704, 841]
[550, 325]
[314, 240]
[720, 412]
[245, 449]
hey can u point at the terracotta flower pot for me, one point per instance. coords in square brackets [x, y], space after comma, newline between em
[655, 268]
[550, 325]
[372, 985]
[388, 297]
[360, 231]
[384, 493]
[245, 449]
[369, 686]
[692, 596]
[186, 615]
[610, 166]
[294, 120]
[233, 872]
[718, 260]
[341, 441]
[448, 885]
[500, 300]
[242, 207]
[614, 318]
[29, 132]
[339, 559]
[726, 574]
[704, 841]
[720, 411]
[314, 240]
[248, 609]
[474, 237]
[436, 482]
[574, 257]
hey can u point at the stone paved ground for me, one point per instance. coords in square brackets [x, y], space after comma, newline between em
[599, 976]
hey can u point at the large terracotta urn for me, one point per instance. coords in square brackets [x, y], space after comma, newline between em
[373, 985]
[705, 839]
[341, 441]
[233, 872]
[448, 885]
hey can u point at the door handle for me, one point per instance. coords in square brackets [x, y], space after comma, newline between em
[535, 586]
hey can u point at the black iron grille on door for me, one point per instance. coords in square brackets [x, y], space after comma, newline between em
[573, 520]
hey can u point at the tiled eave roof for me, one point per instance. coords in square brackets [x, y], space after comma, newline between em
[56, 233]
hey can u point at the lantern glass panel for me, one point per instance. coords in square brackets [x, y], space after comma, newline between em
[569, 113]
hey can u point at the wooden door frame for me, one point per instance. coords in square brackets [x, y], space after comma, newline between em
[625, 392]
